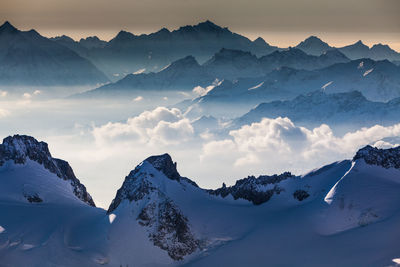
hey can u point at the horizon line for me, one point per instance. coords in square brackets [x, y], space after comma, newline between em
[253, 37]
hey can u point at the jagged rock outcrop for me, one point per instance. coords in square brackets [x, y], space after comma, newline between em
[164, 164]
[20, 148]
[387, 158]
[167, 227]
[257, 190]
[300, 195]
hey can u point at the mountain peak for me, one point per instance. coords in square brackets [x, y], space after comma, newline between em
[63, 38]
[186, 62]
[359, 43]
[143, 180]
[313, 46]
[90, 38]
[387, 158]
[207, 26]
[163, 31]
[124, 35]
[164, 164]
[7, 27]
[312, 40]
[208, 23]
[260, 41]
[20, 148]
[380, 46]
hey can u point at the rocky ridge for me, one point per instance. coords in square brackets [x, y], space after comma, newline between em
[20, 148]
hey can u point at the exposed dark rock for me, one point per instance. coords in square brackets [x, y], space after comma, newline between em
[166, 225]
[33, 198]
[164, 164]
[20, 148]
[168, 228]
[386, 158]
[300, 195]
[254, 189]
[134, 188]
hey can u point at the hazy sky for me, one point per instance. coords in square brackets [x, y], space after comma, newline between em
[280, 22]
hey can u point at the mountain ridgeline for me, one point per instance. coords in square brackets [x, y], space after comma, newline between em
[29, 59]
[277, 76]
[160, 217]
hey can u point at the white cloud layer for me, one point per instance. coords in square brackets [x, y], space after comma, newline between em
[271, 142]
[159, 126]
[266, 147]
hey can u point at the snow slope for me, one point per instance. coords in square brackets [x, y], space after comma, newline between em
[343, 214]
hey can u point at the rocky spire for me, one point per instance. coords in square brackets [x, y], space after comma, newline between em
[164, 164]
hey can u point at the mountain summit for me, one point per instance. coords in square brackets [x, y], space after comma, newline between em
[27, 58]
[7, 27]
[387, 158]
[150, 192]
[313, 46]
[164, 164]
[20, 149]
[161, 218]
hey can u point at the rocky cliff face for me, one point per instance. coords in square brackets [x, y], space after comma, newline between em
[256, 190]
[20, 148]
[167, 227]
[387, 158]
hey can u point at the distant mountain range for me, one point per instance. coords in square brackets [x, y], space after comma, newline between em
[159, 217]
[127, 53]
[376, 80]
[184, 74]
[339, 110]
[315, 46]
[27, 58]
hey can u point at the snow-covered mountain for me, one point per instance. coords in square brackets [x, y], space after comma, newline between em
[376, 80]
[22, 155]
[160, 218]
[186, 73]
[27, 58]
[36, 60]
[183, 74]
[346, 110]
